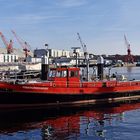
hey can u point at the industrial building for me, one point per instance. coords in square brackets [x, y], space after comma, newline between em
[59, 53]
[54, 53]
[16, 56]
[38, 53]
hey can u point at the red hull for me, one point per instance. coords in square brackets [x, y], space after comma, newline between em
[74, 89]
[54, 93]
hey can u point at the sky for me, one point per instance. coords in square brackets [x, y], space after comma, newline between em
[100, 23]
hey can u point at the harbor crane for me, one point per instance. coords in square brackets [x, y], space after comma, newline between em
[129, 58]
[8, 45]
[23, 44]
[84, 47]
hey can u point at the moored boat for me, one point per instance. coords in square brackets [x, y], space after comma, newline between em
[64, 87]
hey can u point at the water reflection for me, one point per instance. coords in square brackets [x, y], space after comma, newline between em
[87, 122]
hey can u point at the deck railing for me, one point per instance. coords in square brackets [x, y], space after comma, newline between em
[94, 84]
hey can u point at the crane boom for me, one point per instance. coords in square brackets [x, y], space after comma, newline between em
[82, 44]
[129, 58]
[9, 46]
[4, 39]
[24, 45]
[20, 42]
[126, 42]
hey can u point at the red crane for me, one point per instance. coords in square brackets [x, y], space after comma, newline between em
[129, 58]
[23, 44]
[9, 45]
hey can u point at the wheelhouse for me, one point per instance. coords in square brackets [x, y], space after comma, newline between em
[64, 74]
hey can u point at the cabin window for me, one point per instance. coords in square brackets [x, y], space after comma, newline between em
[73, 73]
[61, 74]
[52, 73]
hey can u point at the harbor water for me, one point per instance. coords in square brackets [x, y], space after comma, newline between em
[116, 121]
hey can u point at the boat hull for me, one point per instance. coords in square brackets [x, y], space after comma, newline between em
[53, 94]
[19, 100]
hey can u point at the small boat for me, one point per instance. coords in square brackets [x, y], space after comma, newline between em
[64, 87]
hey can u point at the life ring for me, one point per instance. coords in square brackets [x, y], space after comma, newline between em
[54, 85]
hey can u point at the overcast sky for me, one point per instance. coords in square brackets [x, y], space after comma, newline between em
[101, 23]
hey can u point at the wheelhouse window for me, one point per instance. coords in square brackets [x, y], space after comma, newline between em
[73, 73]
[52, 73]
[61, 74]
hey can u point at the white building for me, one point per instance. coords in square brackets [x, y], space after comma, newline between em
[34, 59]
[53, 53]
[59, 53]
[6, 58]
[63, 53]
[65, 61]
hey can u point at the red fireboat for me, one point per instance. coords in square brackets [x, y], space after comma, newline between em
[64, 86]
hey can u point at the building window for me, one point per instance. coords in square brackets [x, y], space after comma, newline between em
[15, 59]
[8, 58]
[4, 59]
[11, 58]
[57, 54]
[54, 54]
